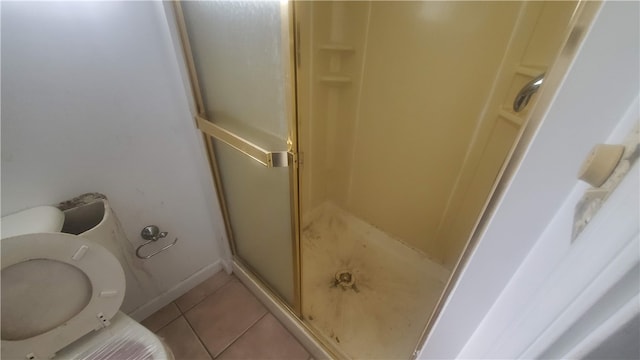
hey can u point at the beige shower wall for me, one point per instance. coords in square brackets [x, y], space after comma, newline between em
[427, 72]
[394, 143]
[389, 144]
[536, 41]
[331, 42]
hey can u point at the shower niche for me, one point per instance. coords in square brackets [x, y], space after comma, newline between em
[355, 146]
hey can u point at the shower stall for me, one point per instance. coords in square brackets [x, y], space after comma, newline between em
[355, 146]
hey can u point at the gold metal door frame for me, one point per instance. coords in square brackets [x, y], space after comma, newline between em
[267, 158]
[287, 9]
[197, 96]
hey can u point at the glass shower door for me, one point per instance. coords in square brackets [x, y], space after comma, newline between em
[239, 59]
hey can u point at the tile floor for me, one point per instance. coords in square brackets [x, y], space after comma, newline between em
[221, 319]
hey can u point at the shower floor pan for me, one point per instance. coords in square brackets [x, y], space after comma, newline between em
[365, 292]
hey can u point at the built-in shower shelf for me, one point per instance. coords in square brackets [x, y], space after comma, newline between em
[529, 71]
[510, 116]
[336, 47]
[335, 80]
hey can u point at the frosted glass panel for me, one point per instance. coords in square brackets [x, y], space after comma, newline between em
[258, 203]
[237, 50]
[236, 46]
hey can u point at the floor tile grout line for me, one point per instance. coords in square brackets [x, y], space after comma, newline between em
[198, 337]
[204, 298]
[182, 314]
[169, 322]
[244, 332]
[234, 340]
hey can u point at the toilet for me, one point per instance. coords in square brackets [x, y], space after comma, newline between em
[61, 295]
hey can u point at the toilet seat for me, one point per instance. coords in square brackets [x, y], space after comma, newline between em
[104, 287]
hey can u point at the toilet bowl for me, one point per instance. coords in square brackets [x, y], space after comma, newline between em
[61, 295]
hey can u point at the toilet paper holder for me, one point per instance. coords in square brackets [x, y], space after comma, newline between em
[152, 233]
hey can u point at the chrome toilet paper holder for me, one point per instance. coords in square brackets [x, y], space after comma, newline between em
[152, 233]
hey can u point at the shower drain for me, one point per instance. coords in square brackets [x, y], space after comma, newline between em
[346, 280]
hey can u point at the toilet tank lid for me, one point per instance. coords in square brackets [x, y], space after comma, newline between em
[35, 220]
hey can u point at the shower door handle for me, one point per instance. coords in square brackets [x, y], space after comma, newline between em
[527, 91]
[264, 157]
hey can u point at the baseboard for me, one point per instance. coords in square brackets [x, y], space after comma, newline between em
[175, 292]
[284, 315]
[227, 264]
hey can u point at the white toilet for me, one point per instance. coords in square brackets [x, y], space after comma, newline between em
[61, 294]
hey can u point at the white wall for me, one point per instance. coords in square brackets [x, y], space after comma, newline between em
[93, 101]
[621, 345]
[600, 86]
[584, 269]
